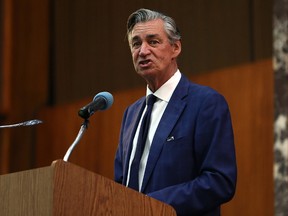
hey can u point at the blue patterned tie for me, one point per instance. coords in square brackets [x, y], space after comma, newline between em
[134, 169]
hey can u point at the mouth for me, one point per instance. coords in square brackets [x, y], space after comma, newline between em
[144, 63]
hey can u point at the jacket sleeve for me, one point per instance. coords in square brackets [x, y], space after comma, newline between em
[216, 162]
[119, 157]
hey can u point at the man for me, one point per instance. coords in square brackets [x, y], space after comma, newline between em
[188, 159]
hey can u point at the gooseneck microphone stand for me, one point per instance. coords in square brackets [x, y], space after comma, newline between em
[84, 126]
[26, 123]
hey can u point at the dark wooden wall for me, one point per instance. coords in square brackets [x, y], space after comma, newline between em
[24, 69]
[90, 51]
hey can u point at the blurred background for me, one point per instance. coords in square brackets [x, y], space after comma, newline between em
[56, 55]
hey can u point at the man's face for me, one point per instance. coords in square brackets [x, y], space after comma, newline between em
[152, 53]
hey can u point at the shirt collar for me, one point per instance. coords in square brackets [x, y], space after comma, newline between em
[166, 90]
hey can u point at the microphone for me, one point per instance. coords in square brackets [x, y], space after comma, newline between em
[26, 123]
[101, 101]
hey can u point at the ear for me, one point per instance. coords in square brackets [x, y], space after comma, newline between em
[176, 48]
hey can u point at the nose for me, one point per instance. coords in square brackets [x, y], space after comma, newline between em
[144, 49]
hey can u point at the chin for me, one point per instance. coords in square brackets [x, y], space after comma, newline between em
[146, 72]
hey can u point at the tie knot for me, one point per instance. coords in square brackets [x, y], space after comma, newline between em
[151, 99]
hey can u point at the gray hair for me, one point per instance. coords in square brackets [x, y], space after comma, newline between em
[144, 15]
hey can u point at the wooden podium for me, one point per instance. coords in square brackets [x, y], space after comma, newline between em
[66, 189]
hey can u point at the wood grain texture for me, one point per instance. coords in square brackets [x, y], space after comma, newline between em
[80, 192]
[66, 189]
[27, 193]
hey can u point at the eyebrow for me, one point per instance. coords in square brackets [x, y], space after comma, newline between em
[152, 36]
[149, 36]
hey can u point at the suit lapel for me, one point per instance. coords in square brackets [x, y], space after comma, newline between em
[129, 136]
[170, 117]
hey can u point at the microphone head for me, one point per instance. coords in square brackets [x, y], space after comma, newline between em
[101, 101]
[107, 97]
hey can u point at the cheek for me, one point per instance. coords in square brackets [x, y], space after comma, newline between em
[134, 57]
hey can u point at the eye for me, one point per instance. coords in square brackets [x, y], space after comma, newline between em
[136, 44]
[153, 42]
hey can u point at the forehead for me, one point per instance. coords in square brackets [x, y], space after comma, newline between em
[144, 29]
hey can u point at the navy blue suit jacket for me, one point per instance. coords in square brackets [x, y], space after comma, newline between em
[191, 165]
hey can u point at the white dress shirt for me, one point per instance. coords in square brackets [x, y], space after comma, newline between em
[163, 95]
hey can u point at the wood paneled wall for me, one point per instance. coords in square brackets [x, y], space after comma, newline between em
[249, 92]
[5, 72]
[25, 56]
[91, 54]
